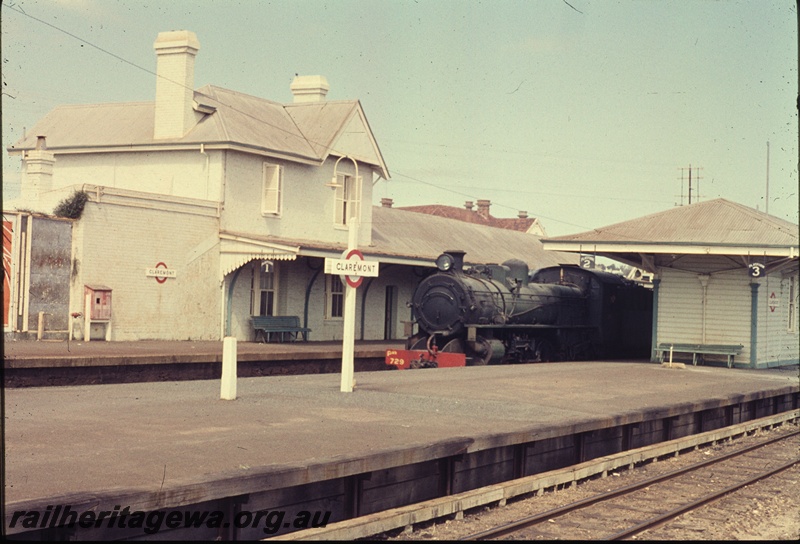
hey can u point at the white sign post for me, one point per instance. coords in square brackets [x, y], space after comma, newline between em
[353, 267]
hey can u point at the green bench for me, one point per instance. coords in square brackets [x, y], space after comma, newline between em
[278, 326]
[699, 350]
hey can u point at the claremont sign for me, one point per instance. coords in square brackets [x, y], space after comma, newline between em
[353, 267]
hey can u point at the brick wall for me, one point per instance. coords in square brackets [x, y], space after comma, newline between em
[114, 245]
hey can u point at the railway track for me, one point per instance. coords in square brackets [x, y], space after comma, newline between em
[632, 509]
[456, 517]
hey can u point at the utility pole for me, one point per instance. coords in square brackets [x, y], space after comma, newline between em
[767, 196]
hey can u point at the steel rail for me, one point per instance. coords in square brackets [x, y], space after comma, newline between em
[663, 518]
[560, 511]
[409, 515]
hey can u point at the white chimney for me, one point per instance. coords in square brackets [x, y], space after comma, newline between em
[175, 52]
[38, 174]
[309, 88]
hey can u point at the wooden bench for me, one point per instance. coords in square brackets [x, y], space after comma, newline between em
[698, 350]
[269, 326]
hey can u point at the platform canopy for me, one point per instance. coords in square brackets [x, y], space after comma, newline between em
[715, 227]
[237, 250]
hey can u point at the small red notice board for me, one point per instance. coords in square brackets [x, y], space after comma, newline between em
[422, 358]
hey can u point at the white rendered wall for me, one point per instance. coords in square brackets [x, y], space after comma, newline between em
[188, 174]
[114, 245]
[292, 282]
[307, 204]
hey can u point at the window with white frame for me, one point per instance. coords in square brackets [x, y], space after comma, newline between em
[348, 199]
[334, 297]
[262, 289]
[272, 187]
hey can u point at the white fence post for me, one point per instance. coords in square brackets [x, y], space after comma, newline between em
[228, 387]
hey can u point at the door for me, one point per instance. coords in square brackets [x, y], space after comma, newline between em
[390, 314]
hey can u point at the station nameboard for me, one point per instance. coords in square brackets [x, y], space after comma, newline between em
[160, 272]
[353, 267]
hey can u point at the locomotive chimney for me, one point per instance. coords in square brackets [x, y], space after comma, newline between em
[458, 259]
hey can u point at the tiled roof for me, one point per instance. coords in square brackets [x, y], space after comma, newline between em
[472, 216]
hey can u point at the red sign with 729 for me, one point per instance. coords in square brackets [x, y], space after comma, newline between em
[422, 358]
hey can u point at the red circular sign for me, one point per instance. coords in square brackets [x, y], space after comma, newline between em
[354, 281]
[161, 280]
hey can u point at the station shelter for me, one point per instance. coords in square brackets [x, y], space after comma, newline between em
[724, 275]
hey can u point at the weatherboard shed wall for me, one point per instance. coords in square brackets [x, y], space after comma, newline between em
[778, 341]
[681, 316]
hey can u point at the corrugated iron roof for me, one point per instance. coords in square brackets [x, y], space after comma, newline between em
[401, 232]
[416, 238]
[304, 131]
[714, 222]
[96, 125]
[253, 122]
[321, 121]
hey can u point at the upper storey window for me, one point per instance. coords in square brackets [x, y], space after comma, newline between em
[272, 189]
[348, 199]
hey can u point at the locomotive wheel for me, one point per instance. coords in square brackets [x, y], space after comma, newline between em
[454, 346]
[418, 341]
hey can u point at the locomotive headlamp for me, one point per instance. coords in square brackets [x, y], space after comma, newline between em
[444, 262]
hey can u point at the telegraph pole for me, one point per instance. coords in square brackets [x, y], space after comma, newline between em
[767, 196]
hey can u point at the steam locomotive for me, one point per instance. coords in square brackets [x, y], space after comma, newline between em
[495, 314]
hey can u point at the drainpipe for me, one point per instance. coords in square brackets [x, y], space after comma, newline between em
[753, 324]
[207, 168]
[654, 335]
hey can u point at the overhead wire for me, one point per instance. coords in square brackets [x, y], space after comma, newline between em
[247, 114]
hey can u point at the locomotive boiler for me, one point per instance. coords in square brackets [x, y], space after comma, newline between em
[504, 314]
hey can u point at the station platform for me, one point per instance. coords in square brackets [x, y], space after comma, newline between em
[30, 363]
[164, 445]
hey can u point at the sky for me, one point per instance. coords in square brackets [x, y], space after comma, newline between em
[583, 113]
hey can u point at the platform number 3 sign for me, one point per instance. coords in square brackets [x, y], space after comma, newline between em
[756, 270]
